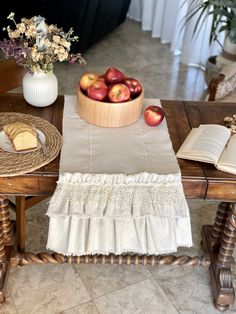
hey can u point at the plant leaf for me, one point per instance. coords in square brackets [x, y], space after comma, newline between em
[205, 8]
[224, 3]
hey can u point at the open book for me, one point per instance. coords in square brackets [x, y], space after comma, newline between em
[211, 143]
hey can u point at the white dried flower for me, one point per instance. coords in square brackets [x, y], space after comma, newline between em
[65, 43]
[36, 56]
[11, 16]
[47, 43]
[21, 27]
[230, 123]
[56, 38]
[61, 50]
[62, 56]
[25, 21]
[228, 119]
[14, 34]
[54, 45]
[51, 28]
[29, 33]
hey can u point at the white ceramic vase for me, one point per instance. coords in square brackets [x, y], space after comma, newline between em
[40, 89]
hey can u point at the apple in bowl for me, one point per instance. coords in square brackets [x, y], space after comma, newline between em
[118, 93]
[113, 76]
[134, 85]
[97, 90]
[87, 79]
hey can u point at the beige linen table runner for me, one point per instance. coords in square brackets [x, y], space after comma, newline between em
[119, 190]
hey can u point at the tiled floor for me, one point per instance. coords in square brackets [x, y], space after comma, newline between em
[118, 289]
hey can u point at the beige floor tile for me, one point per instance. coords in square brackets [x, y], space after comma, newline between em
[103, 279]
[46, 288]
[8, 307]
[189, 290]
[145, 297]
[85, 308]
[37, 227]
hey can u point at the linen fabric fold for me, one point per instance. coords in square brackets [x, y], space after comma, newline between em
[119, 190]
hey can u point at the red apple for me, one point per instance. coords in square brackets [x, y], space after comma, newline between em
[118, 93]
[113, 76]
[87, 79]
[102, 79]
[134, 85]
[97, 90]
[153, 115]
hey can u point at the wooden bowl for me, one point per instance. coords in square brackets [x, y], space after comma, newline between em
[109, 115]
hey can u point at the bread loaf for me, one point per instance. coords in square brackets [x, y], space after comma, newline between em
[22, 135]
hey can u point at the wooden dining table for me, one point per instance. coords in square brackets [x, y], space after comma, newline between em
[200, 181]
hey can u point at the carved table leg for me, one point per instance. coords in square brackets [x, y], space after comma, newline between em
[214, 233]
[224, 294]
[6, 222]
[5, 251]
[223, 236]
[220, 221]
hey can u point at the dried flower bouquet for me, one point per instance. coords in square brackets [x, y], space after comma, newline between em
[37, 45]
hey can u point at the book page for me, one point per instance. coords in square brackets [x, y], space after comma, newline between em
[205, 143]
[227, 160]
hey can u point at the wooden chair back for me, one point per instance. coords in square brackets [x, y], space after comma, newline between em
[222, 86]
[11, 75]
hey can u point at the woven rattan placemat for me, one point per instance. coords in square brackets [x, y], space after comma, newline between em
[13, 164]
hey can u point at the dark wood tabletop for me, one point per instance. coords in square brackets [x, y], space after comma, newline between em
[200, 180]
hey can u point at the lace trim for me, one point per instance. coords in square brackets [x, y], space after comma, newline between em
[143, 177]
[119, 196]
[120, 252]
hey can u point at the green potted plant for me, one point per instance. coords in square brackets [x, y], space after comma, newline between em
[223, 14]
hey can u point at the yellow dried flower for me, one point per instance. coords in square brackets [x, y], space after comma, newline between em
[56, 38]
[14, 34]
[21, 27]
[65, 43]
[230, 123]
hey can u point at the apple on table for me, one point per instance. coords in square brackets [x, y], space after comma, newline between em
[153, 115]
